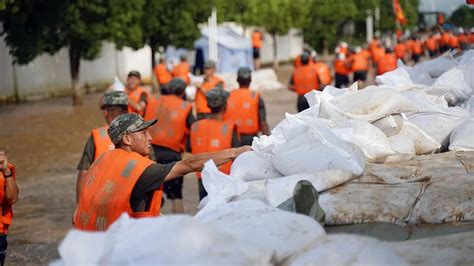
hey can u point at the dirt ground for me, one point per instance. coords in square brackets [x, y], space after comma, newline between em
[45, 140]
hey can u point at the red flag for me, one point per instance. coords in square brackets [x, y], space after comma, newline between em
[397, 10]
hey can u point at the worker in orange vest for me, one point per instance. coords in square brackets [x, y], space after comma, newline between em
[387, 63]
[400, 50]
[342, 69]
[454, 42]
[170, 133]
[432, 45]
[374, 43]
[210, 81]
[377, 53]
[324, 72]
[444, 41]
[182, 69]
[137, 96]
[416, 49]
[342, 48]
[304, 80]
[163, 75]
[8, 196]
[213, 133]
[246, 109]
[359, 66]
[297, 62]
[257, 40]
[124, 180]
[113, 104]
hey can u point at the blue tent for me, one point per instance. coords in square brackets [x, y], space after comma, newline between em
[233, 49]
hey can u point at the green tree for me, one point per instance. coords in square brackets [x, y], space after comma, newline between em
[387, 18]
[172, 22]
[326, 18]
[34, 27]
[463, 17]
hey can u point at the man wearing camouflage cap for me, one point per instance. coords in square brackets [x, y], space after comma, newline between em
[137, 96]
[125, 180]
[113, 104]
[210, 82]
[214, 133]
[246, 109]
[170, 133]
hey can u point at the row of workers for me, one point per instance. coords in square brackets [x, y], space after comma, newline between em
[233, 120]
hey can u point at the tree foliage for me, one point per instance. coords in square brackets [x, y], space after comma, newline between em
[463, 17]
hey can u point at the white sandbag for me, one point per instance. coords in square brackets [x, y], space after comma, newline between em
[253, 165]
[371, 140]
[453, 83]
[433, 68]
[370, 104]
[404, 146]
[255, 191]
[424, 144]
[262, 79]
[394, 78]
[267, 228]
[315, 150]
[176, 239]
[390, 125]
[266, 144]
[468, 105]
[82, 248]
[462, 137]
[345, 249]
[280, 189]
[220, 187]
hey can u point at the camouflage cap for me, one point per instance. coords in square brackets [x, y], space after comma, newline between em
[134, 73]
[176, 86]
[127, 123]
[217, 97]
[114, 98]
[244, 72]
[210, 64]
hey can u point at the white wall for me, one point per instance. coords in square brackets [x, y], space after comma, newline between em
[6, 72]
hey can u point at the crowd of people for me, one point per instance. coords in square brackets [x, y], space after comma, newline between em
[313, 74]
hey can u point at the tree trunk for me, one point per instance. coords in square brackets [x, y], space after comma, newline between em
[74, 63]
[275, 59]
[154, 81]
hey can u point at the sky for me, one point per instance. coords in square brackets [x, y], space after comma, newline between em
[447, 6]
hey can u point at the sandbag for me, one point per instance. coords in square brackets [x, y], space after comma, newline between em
[253, 165]
[390, 125]
[424, 144]
[345, 249]
[279, 190]
[176, 239]
[462, 137]
[372, 141]
[404, 147]
[370, 104]
[266, 228]
[453, 83]
[394, 78]
[315, 150]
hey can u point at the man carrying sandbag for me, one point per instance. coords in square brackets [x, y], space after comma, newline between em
[246, 109]
[213, 133]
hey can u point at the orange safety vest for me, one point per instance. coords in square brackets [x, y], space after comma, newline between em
[257, 39]
[359, 62]
[445, 37]
[107, 189]
[172, 112]
[416, 47]
[463, 38]
[373, 44]
[387, 63]
[162, 74]
[102, 142]
[208, 135]
[341, 68]
[305, 79]
[298, 63]
[242, 110]
[377, 53]
[7, 208]
[471, 38]
[453, 42]
[134, 96]
[201, 101]
[366, 53]
[181, 70]
[324, 73]
[400, 50]
[430, 44]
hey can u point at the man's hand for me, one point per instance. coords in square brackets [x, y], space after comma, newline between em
[240, 150]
